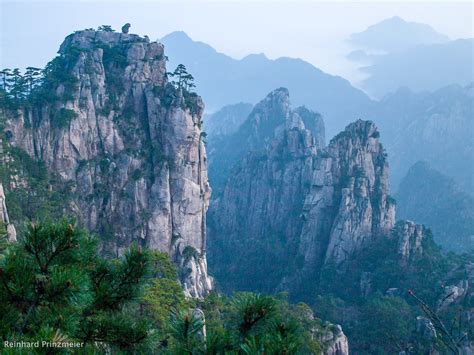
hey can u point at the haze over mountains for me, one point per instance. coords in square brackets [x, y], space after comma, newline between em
[396, 34]
[431, 198]
[440, 120]
[395, 53]
[433, 126]
[425, 67]
[105, 134]
[222, 80]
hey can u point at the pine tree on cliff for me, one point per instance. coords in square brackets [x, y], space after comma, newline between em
[184, 79]
[54, 287]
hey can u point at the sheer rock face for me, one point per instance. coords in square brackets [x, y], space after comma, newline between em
[349, 190]
[132, 148]
[10, 228]
[299, 204]
[409, 237]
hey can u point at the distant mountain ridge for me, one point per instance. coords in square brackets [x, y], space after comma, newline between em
[404, 117]
[222, 80]
[429, 197]
[395, 34]
[424, 67]
[227, 120]
[436, 127]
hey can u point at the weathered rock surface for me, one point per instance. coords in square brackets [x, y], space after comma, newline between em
[298, 203]
[409, 237]
[131, 145]
[10, 228]
[335, 341]
[257, 132]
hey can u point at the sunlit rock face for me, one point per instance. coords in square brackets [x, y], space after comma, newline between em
[131, 145]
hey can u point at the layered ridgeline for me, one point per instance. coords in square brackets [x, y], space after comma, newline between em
[436, 127]
[223, 80]
[294, 215]
[123, 147]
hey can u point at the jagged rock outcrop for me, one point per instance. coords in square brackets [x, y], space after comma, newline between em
[4, 219]
[409, 237]
[335, 341]
[297, 203]
[129, 142]
[257, 132]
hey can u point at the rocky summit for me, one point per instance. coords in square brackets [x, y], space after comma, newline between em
[303, 205]
[130, 145]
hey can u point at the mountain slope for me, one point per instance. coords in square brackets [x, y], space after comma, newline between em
[395, 34]
[436, 127]
[222, 80]
[435, 200]
[227, 120]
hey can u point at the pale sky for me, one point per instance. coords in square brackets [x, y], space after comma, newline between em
[31, 31]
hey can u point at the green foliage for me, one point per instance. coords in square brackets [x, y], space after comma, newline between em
[184, 80]
[186, 333]
[53, 282]
[246, 323]
[368, 316]
[137, 174]
[163, 293]
[386, 325]
[62, 118]
[113, 56]
[105, 28]
[3, 236]
[33, 198]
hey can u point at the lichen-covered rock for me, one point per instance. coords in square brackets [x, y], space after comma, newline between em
[129, 142]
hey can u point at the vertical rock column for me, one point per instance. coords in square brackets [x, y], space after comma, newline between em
[10, 228]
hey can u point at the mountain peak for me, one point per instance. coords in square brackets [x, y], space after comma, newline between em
[395, 34]
[177, 35]
[394, 19]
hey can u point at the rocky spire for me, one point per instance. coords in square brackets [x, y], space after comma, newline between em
[299, 204]
[10, 228]
[130, 144]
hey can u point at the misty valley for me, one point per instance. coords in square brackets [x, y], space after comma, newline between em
[161, 197]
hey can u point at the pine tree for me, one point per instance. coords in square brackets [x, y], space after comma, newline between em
[185, 80]
[54, 285]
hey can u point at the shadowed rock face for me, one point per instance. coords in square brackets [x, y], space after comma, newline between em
[297, 204]
[130, 144]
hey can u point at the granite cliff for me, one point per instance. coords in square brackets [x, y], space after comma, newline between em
[128, 142]
[308, 206]
[9, 229]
